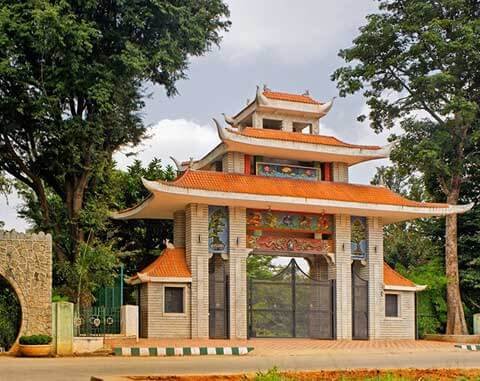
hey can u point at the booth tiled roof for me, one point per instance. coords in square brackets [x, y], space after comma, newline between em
[323, 190]
[290, 97]
[392, 278]
[262, 133]
[171, 263]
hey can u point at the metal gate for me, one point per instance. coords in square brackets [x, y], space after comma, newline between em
[96, 321]
[291, 304]
[359, 307]
[218, 296]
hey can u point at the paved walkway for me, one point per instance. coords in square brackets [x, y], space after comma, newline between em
[82, 368]
[294, 346]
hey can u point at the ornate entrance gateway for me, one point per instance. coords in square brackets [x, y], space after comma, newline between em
[291, 304]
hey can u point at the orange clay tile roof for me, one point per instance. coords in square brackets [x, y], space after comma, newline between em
[171, 263]
[290, 97]
[392, 278]
[269, 186]
[261, 133]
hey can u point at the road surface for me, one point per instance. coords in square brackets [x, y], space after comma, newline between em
[82, 368]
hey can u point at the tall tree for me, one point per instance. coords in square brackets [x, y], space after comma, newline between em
[71, 87]
[419, 58]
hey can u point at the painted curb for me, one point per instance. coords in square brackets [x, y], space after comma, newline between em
[181, 351]
[468, 347]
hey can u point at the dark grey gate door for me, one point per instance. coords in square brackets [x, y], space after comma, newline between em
[291, 304]
[359, 307]
[218, 298]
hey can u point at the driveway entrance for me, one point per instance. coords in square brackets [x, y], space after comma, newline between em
[291, 304]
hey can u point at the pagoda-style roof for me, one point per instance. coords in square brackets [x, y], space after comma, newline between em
[392, 280]
[170, 266]
[260, 133]
[222, 188]
[288, 145]
[289, 97]
[285, 103]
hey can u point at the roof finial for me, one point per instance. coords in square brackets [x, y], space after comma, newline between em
[228, 120]
[306, 93]
[326, 107]
[168, 244]
[248, 101]
[190, 164]
[260, 98]
[265, 87]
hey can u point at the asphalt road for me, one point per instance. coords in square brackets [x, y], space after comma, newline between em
[82, 368]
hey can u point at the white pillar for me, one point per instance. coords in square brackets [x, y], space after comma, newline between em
[375, 276]
[196, 240]
[129, 320]
[343, 276]
[238, 272]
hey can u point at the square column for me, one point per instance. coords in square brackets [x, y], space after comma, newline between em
[343, 276]
[196, 242]
[375, 276]
[179, 228]
[237, 262]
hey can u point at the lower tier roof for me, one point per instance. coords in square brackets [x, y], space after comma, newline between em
[171, 266]
[250, 191]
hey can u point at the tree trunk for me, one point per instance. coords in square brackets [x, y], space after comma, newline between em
[456, 324]
[74, 194]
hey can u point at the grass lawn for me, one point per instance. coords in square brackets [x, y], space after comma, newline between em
[347, 375]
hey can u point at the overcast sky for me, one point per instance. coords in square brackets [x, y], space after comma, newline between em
[290, 46]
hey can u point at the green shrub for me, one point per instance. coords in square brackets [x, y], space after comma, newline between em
[271, 375]
[35, 340]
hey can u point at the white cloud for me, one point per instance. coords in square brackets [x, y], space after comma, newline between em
[293, 32]
[179, 138]
[8, 213]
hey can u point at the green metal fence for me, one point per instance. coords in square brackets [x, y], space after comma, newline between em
[96, 321]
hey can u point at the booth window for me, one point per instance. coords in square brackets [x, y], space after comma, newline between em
[174, 300]
[391, 305]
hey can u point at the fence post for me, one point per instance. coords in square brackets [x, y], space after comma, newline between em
[62, 332]
[129, 320]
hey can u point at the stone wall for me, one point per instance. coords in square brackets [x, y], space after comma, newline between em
[26, 264]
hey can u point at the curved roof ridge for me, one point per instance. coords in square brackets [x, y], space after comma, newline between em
[394, 278]
[262, 133]
[290, 97]
[236, 182]
[171, 263]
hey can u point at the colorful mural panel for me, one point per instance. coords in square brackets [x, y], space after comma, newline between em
[267, 243]
[218, 229]
[359, 239]
[272, 220]
[288, 171]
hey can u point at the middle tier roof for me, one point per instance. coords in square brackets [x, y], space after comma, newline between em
[289, 145]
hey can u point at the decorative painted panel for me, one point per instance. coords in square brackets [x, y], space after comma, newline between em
[288, 171]
[272, 220]
[218, 229]
[359, 237]
[266, 243]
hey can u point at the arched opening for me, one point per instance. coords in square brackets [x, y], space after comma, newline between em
[289, 297]
[10, 315]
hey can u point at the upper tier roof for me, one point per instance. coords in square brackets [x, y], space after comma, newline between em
[221, 188]
[291, 97]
